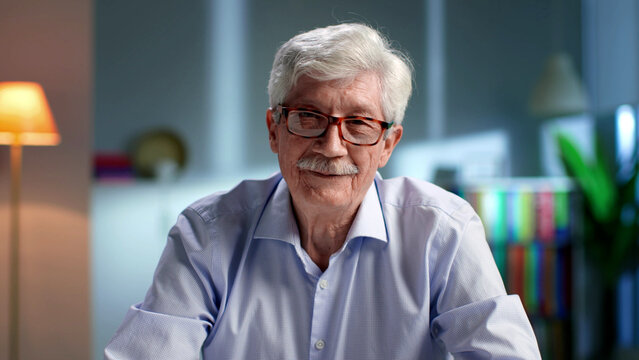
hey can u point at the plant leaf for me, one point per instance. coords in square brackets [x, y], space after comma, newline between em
[597, 185]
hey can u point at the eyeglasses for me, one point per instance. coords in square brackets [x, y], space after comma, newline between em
[357, 130]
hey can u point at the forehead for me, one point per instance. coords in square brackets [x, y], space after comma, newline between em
[361, 93]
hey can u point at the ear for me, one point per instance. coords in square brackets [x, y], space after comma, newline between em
[272, 131]
[389, 144]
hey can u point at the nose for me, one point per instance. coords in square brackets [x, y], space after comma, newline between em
[330, 144]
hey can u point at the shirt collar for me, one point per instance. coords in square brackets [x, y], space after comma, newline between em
[369, 221]
[278, 222]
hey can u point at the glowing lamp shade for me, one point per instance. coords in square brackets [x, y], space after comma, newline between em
[25, 116]
[559, 91]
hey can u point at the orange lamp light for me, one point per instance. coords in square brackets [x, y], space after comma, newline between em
[25, 116]
[25, 119]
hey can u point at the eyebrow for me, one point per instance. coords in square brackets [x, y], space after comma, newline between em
[356, 110]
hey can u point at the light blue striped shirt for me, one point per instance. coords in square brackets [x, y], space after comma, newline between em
[415, 279]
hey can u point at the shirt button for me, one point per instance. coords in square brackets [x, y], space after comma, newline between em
[323, 284]
[319, 345]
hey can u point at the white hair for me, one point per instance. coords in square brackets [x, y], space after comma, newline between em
[342, 52]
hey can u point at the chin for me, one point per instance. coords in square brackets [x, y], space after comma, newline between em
[333, 196]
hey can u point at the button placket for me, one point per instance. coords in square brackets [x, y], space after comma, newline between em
[321, 307]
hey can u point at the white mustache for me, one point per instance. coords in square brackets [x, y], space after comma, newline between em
[323, 165]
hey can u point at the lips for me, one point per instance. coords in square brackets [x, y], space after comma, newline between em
[318, 173]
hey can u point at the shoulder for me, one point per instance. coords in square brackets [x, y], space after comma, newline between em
[223, 219]
[410, 194]
[246, 196]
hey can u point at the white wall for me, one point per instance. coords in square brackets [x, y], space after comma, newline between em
[50, 42]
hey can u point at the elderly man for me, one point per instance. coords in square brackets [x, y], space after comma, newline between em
[327, 260]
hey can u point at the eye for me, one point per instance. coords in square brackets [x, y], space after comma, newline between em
[308, 115]
[305, 120]
[358, 122]
[361, 126]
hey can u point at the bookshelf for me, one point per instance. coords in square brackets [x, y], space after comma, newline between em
[532, 227]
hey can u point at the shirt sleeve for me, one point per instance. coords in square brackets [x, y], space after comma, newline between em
[179, 309]
[474, 318]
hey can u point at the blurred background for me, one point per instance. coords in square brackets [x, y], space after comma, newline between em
[159, 103]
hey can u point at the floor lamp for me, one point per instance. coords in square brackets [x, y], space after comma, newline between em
[25, 119]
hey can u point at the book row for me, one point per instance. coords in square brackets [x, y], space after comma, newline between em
[540, 275]
[523, 215]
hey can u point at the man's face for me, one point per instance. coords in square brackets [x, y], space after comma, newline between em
[316, 189]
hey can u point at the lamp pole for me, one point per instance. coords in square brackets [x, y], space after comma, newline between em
[25, 119]
[14, 251]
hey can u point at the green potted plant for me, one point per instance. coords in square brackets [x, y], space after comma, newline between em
[610, 222]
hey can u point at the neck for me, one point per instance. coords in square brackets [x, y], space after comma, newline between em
[323, 233]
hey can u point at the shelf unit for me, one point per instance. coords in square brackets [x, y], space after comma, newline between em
[532, 226]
